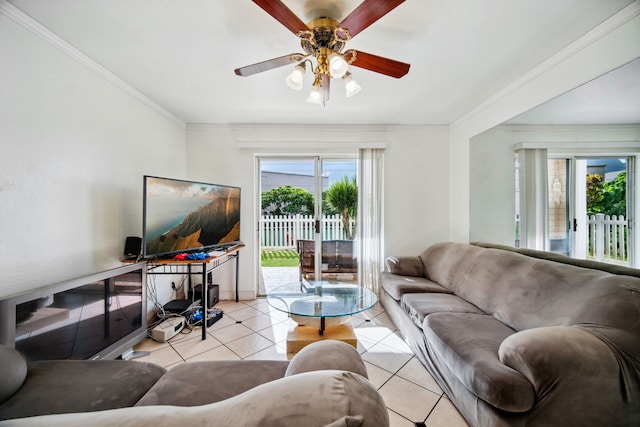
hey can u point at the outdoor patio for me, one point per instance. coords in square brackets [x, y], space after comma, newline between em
[270, 277]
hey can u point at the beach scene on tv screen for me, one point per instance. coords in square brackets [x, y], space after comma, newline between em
[182, 216]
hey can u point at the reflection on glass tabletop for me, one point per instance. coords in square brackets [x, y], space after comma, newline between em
[321, 298]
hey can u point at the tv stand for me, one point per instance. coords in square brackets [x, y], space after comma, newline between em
[215, 260]
[130, 354]
[115, 298]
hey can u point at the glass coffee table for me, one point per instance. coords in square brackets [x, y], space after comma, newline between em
[322, 310]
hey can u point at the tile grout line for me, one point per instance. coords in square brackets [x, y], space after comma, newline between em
[434, 408]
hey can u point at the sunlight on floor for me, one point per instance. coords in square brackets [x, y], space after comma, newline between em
[253, 330]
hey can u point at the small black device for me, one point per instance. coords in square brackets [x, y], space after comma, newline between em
[177, 306]
[132, 247]
[213, 294]
[212, 317]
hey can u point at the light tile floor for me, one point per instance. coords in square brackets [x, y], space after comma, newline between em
[254, 330]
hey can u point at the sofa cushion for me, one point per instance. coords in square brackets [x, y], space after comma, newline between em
[405, 266]
[327, 354]
[13, 371]
[418, 306]
[552, 256]
[396, 285]
[202, 382]
[525, 292]
[310, 399]
[64, 386]
[469, 343]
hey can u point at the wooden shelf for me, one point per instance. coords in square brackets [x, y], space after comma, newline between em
[213, 256]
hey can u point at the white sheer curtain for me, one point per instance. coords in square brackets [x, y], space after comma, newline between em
[534, 199]
[370, 217]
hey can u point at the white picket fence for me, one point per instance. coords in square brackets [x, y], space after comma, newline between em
[607, 238]
[607, 234]
[284, 231]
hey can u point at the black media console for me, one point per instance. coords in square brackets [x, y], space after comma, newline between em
[99, 316]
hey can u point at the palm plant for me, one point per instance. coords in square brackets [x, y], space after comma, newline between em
[343, 197]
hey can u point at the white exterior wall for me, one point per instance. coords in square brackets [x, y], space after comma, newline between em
[74, 150]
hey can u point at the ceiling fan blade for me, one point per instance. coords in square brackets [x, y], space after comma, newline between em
[368, 61]
[368, 12]
[282, 14]
[269, 64]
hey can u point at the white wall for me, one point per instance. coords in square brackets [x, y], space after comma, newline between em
[492, 187]
[416, 166]
[74, 150]
[492, 176]
[416, 189]
[75, 147]
[606, 47]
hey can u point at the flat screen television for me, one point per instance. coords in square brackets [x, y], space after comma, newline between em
[100, 316]
[187, 216]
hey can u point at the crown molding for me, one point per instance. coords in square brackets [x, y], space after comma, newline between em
[12, 12]
[292, 127]
[299, 145]
[572, 128]
[586, 145]
[300, 137]
[577, 149]
[614, 22]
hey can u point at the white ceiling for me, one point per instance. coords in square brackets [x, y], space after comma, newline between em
[182, 54]
[613, 98]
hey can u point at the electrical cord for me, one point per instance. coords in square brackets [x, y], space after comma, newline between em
[159, 312]
[192, 320]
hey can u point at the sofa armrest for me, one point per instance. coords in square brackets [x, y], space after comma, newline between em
[577, 377]
[548, 355]
[310, 399]
[327, 355]
[13, 371]
[405, 266]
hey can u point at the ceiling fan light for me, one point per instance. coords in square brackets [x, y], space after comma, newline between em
[351, 86]
[315, 97]
[294, 80]
[337, 65]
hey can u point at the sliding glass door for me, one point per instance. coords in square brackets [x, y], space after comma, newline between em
[307, 220]
[583, 207]
[339, 202]
[603, 209]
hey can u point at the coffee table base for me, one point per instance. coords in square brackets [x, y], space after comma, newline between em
[301, 336]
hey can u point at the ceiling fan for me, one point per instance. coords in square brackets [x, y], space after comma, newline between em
[324, 39]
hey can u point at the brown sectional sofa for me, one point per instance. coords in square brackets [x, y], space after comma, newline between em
[323, 385]
[522, 340]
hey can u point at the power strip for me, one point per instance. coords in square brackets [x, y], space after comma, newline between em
[168, 329]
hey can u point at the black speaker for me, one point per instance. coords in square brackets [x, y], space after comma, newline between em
[212, 296]
[132, 247]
